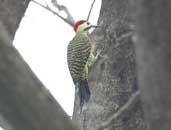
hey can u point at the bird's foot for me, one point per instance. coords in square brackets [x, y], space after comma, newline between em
[98, 55]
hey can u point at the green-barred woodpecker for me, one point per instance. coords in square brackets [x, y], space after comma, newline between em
[80, 57]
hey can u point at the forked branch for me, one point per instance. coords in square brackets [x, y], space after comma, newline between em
[69, 20]
[65, 9]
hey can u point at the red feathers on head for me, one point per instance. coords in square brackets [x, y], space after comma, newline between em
[77, 24]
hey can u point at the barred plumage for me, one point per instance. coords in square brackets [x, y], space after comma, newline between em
[79, 58]
[78, 53]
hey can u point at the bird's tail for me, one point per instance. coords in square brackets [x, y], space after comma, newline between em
[84, 92]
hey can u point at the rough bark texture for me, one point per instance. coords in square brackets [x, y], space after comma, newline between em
[112, 78]
[153, 50]
[25, 104]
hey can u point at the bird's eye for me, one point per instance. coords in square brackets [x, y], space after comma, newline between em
[88, 23]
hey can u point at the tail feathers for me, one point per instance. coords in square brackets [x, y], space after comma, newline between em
[84, 92]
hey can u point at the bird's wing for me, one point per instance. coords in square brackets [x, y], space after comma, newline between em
[77, 55]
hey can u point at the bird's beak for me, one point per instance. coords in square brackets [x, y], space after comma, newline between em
[92, 26]
[95, 26]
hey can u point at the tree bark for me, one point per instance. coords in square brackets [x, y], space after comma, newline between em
[11, 12]
[114, 102]
[25, 104]
[153, 50]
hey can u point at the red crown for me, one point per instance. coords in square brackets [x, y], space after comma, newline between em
[77, 24]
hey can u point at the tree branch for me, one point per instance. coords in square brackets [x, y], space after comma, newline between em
[25, 104]
[90, 10]
[131, 102]
[65, 9]
[4, 35]
[55, 13]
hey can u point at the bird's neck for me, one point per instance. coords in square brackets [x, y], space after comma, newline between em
[82, 33]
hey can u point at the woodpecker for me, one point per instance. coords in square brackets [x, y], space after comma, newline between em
[80, 58]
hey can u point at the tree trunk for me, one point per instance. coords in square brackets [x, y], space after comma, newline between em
[153, 50]
[25, 104]
[11, 12]
[115, 102]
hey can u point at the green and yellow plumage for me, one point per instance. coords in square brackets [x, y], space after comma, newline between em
[79, 51]
[80, 57]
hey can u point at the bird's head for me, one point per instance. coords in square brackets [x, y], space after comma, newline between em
[82, 26]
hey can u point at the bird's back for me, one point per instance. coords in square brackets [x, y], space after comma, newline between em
[77, 55]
